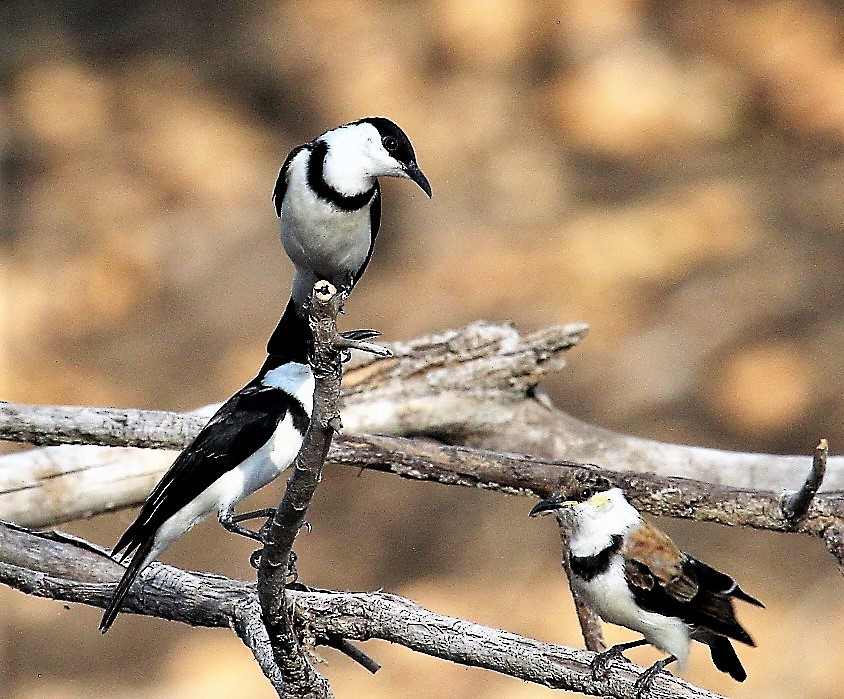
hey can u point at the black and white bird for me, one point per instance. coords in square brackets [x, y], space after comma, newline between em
[329, 200]
[632, 574]
[248, 443]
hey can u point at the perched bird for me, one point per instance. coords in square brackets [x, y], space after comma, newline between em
[329, 200]
[633, 575]
[248, 442]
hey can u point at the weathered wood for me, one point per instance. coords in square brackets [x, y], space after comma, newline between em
[71, 570]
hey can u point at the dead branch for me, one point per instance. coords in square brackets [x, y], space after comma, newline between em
[796, 504]
[681, 498]
[302, 680]
[474, 386]
[65, 568]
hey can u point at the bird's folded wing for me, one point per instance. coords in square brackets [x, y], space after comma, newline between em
[650, 557]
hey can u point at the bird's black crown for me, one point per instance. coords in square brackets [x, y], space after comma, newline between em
[394, 140]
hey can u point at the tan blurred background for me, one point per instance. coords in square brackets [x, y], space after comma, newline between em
[669, 172]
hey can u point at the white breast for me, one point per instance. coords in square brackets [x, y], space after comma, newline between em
[318, 236]
[612, 599]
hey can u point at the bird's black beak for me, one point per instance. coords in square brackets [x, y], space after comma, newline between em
[414, 173]
[552, 504]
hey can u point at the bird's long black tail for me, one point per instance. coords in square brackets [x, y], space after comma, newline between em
[129, 577]
[723, 654]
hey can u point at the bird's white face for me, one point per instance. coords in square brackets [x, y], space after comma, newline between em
[604, 514]
[595, 517]
[356, 156]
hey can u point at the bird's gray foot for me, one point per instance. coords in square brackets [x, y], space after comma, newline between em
[643, 685]
[231, 522]
[601, 664]
[356, 339]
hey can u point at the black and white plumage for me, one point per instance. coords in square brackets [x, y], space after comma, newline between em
[329, 200]
[248, 443]
[633, 575]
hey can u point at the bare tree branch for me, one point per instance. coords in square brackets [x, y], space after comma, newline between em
[280, 532]
[682, 498]
[472, 386]
[68, 569]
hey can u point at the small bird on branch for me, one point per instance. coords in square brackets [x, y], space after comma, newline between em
[329, 200]
[633, 575]
[249, 442]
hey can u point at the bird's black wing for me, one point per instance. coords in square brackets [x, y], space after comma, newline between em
[699, 595]
[281, 183]
[374, 226]
[240, 427]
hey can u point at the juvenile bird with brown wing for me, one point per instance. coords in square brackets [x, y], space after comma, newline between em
[633, 575]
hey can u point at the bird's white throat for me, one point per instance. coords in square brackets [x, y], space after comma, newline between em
[596, 523]
[355, 158]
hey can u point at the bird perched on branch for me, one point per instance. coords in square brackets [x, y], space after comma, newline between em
[329, 200]
[248, 442]
[633, 575]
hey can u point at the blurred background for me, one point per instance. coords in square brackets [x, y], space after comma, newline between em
[669, 172]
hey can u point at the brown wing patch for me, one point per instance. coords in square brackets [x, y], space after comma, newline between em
[651, 556]
[638, 575]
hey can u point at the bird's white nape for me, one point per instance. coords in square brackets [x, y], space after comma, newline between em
[296, 380]
[355, 158]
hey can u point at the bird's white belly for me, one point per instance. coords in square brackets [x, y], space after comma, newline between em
[329, 242]
[612, 599]
[254, 472]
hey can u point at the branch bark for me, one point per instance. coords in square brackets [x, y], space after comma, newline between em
[65, 568]
[474, 386]
[302, 680]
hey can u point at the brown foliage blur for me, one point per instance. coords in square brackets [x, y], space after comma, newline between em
[670, 172]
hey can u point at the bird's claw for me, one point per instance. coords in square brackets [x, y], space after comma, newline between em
[348, 341]
[255, 558]
[644, 682]
[361, 334]
[600, 665]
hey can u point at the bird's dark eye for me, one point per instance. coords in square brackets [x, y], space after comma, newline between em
[586, 493]
[390, 143]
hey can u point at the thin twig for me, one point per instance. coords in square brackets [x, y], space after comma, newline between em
[590, 623]
[796, 505]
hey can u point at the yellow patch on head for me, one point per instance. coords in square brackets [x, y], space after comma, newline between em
[600, 499]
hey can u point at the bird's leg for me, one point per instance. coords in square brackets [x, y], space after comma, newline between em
[643, 684]
[230, 520]
[601, 664]
[263, 512]
[255, 557]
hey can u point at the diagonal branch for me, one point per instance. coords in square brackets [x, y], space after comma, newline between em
[280, 532]
[68, 569]
[796, 504]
